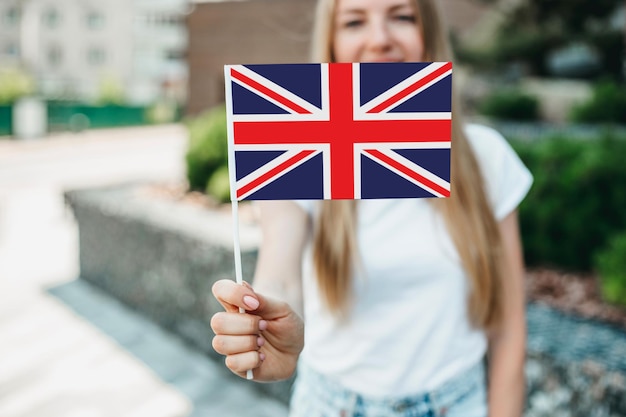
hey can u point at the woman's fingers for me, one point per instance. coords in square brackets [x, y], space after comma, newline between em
[240, 363]
[237, 323]
[230, 345]
[233, 296]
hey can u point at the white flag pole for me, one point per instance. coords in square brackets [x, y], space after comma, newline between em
[237, 253]
[233, 189]
[237, 246]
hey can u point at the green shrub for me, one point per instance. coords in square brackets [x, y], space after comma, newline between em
[510, 104]
[14, 83]
[610, 263]
[208, 147]
[219, 185]
[110, 91]
[162, 111]
[607, 104]
[577, 200]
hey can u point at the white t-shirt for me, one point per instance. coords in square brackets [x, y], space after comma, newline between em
[408, 329]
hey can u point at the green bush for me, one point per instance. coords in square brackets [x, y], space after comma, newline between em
[208, 147]
[510, 104]
[110, 91]
[219, 185]
[610, 263]
[14, 83]
[577, 200]
[607, 104]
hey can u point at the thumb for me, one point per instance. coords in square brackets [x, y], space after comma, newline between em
[233, 296]
[269, 308]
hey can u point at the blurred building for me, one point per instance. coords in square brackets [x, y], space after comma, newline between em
[238, 32]
[272, 31]
[76, 48]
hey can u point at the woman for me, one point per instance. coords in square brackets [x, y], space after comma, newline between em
[403, 299]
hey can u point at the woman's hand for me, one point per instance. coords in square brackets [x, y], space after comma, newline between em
[267, 338]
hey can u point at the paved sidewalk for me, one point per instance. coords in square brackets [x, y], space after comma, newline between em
[67, 349]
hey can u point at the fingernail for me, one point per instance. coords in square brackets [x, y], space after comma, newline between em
[260, 341]
[251, 302]
[262, 356]
[262, 325]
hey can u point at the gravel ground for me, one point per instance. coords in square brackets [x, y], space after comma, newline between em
[577, 294]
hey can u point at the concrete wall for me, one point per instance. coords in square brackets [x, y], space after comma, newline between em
[161, 258]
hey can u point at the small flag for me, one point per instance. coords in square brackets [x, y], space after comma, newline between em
[339, 130]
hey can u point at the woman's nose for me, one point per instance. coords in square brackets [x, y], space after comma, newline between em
[379, 36]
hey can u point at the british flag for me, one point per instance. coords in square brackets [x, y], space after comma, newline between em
[339, 130]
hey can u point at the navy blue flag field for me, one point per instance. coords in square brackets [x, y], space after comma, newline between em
[339, 130]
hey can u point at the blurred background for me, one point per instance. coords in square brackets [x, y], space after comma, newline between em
[113, 179]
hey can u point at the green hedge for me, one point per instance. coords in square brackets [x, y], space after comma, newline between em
[611, 265]
[6, 120]
[71, 116]
[510, 104]
[607, 105]
[208, 148]
[218, 185]
[577, 202]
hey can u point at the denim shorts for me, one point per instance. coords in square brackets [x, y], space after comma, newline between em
[314, 395]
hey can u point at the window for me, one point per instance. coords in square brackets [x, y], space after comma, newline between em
[51, 18]
[54, 55]
[95, 20]
[162, 20]
[12, 50]
[11, 16]
[175, 54]
[96, 56]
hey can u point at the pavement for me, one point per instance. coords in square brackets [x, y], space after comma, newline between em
[66, 348]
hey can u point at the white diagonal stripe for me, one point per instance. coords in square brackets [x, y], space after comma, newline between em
[404, 85]
[412, 166]
[254, 175]
[274, 87]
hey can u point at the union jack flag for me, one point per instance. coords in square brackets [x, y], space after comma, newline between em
[339, 130]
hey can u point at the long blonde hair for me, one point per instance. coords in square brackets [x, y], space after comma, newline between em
[467, 213]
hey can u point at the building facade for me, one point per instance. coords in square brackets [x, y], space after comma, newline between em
[75, 48]
[242, 32]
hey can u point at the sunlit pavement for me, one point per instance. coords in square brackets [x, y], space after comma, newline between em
[65, 347]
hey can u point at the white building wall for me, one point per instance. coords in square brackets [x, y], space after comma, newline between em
[9, 32]
[88, 52]
[160, 44]
[70, 46]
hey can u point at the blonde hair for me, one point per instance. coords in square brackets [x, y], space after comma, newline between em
[467, 213]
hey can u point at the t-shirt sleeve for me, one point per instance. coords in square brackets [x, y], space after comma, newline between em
[307, 205]
[507, 178]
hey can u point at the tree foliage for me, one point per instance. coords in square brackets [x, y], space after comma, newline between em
[534, 29]
[571, 17]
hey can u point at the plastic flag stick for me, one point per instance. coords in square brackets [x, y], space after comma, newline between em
[237, 252]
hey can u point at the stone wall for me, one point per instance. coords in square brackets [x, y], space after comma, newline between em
[161, 258]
